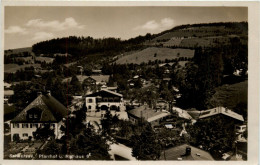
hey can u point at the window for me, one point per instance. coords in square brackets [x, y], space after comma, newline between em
[90, 100]
[25, 135]
[34, 113]
[31, 125]
[16, 125]
[89, 107]
[35, 125]
[16, 137]
[25, 125]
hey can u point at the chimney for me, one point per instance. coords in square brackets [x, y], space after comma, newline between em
[39, 93]
[48, 92]
[188, 151]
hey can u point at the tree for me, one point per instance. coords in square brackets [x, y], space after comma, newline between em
[81, 139]
[213, 134]
[145, 145]
[51, 148]
[90, 143]
[43, 133]
[107, 123]
[74, 123]
[75, 85]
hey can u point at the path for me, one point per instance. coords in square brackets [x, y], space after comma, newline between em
[121, 150]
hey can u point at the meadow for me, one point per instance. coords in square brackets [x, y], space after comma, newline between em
[154, 53]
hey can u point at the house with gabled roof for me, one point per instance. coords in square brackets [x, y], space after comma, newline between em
[150, 115]
[100, 102]
[44, 110]
[204, 114]
[221, 111]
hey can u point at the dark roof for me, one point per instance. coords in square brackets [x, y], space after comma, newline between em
[52, 110]
[178, 152]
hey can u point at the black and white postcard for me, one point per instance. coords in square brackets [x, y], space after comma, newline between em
[130, 81]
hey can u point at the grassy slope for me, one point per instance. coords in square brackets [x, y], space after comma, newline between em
[148, 54]
[11, 68]
[18, 50]
[198, 31]
[230, 95]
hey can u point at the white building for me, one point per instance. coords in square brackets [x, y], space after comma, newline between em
[44, 110]
[105, 100]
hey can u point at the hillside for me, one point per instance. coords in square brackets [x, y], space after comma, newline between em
[154, 53]
[230, 95]
[203, 35]
[12, 68]
[17, 51]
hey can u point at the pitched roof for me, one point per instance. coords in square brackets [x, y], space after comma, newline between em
[147, 113]
[100, 78]
[8, 92]
[207, 113]
[159, 116]
[178, 152]
[104, 90]
[7, 85]
[182, 113]
[52, 110]
[221, 110]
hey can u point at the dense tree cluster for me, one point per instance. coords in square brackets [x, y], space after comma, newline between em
[199, 79]
[78, 138]
[214, 134]
[81, 46]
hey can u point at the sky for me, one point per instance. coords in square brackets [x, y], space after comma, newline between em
[25, 26]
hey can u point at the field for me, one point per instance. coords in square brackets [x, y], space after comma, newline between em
[230, 95]
[46, 59]
[18, 50]
[153, 53]
[196, 32]
[12, 68]
[27, 59]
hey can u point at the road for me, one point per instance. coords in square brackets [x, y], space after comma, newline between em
[121, 150]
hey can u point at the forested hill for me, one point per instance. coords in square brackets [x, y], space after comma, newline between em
[81, 46]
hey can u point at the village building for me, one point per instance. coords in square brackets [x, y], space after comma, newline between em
[7, 94]
[96, 72]
[95, 79]
[44, 110]
[7, 85]
[185, 152]
[195, 115]
[105, 100]
[104, 87]
[221, 111]
[150, 115]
